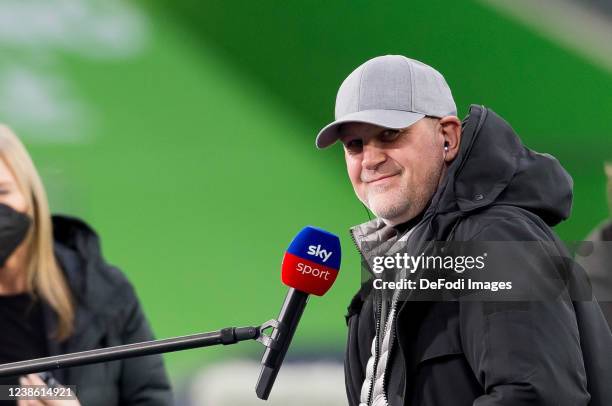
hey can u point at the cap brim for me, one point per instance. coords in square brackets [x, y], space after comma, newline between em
[394, 119]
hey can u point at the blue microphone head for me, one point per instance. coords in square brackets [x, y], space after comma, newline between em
[312, 261]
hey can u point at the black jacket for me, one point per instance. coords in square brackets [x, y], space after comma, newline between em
[486, 353]
[107, 313]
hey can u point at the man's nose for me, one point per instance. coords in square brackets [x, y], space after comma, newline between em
[373, 157]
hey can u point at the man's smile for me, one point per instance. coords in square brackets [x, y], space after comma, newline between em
[381, 179]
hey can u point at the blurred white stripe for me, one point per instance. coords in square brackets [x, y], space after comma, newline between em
[569, 23]
[101, 29]
[298, 384]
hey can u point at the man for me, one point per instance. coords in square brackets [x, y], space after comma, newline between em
[427, 176]
[598, 262]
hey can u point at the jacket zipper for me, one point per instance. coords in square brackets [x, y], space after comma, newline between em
[376, 351]
[393, 332]
[377, 315]
[392, 341]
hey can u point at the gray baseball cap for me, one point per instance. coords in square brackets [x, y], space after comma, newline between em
[390, 91]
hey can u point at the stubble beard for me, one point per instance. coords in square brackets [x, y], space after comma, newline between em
[391, 202]
[388, 202]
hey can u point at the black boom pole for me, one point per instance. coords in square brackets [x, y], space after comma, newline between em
[226, 336]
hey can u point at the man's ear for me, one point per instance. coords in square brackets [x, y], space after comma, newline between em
[451, 131]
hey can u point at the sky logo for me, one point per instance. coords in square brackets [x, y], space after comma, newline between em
[315, 250]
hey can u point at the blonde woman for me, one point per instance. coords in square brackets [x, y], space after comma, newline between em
[58, 295]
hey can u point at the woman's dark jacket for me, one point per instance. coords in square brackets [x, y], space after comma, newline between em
[488, 353]
[107, 314]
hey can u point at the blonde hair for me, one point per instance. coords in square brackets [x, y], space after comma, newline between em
[44, 276]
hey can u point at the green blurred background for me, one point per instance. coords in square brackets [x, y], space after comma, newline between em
[183, 132]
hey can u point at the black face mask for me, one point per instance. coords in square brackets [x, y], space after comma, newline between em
[14, 227]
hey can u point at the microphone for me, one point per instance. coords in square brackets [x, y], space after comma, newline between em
[310, 266]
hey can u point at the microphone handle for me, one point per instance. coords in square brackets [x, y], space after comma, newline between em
[273, 357]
